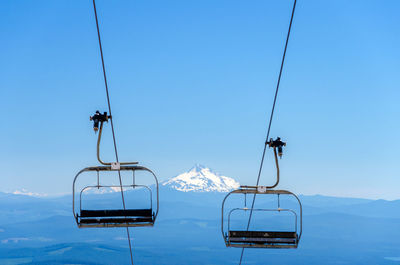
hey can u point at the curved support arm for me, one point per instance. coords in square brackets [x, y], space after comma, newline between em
[277, 171]
[98, 150]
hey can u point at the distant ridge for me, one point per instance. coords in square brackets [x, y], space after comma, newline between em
[28, 193]
[201, 179]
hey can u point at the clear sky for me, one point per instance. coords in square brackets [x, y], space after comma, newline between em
[193, 82]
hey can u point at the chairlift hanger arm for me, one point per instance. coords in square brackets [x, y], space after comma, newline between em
[276, 144]
[97, 119]
[277, 171]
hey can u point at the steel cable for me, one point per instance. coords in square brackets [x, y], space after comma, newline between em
[270, 121]
[112, 124]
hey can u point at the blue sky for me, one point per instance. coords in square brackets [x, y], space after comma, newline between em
[193, 82]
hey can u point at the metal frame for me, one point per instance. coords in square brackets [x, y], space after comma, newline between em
[261, 190]
[97, 169]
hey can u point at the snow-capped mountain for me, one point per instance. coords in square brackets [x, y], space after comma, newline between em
[201, 179]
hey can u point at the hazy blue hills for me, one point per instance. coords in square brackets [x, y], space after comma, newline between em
[336, 231]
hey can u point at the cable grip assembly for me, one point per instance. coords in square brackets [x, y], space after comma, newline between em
[277, 144]
[98, 118]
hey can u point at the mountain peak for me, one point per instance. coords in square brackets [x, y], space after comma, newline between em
[201, 179]
[197, 167]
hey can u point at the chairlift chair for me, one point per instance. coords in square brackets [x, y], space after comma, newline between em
[113, 217]
[264, 238]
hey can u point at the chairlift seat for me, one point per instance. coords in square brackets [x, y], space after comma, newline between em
[263, 238]
[115, 218]
[116, 213]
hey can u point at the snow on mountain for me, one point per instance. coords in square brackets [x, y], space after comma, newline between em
[28, 193]
[103, 190]
[201, 179]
